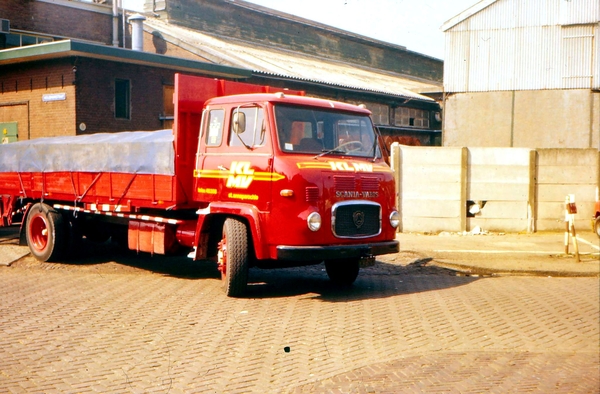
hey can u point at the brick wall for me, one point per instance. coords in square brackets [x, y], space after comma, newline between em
[22, 90]
[65, 18]
[89, 97]
[96, 95]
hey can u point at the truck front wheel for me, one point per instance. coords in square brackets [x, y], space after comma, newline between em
[233, 257]
[597, 226]
[45, 232]
[342, 272]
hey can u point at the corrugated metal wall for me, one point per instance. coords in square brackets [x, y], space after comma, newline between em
[525, 45]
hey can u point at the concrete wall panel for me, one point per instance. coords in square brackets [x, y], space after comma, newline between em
[478, 119]
[552, 118]
[523, 189]
[595, 137]
[499, 156]
[529, 119]
[499, 174]
[497, 192]
[503, 210]
[436, 156]
[424, 208]
[501, 177]
[577, 174]
[561, 172]
[511, 225]
[430, 173]
[557, 193]
[447, 191]
[431, 187]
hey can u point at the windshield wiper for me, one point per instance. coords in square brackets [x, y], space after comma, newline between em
[375, 149]
[329, 151]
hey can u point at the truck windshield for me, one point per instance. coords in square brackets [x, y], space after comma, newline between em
[317, 131]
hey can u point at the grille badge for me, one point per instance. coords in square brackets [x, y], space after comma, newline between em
[358, 217]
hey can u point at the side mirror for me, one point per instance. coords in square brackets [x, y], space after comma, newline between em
[239, 122]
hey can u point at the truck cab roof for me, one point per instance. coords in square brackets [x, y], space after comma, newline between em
[282, 98]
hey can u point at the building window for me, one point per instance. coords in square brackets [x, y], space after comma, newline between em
[411, 117]
[15, 40]
[122, 102]
[380, 113]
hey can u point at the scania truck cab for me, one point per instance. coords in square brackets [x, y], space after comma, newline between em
[294, 180]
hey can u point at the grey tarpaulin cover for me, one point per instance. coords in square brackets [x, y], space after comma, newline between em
[140, 152]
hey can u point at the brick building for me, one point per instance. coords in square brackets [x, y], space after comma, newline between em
[65, 68]
[67, 88]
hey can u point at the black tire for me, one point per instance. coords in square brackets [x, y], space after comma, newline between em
[45, 232]
[74, 237]
[234, 253]
[597, 226]
[342, 272]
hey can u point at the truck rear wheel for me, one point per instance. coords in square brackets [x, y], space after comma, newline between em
[45, 232]
[233, 257]
[342, 272]
[597, 226]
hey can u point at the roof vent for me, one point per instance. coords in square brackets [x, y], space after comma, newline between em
[137, 32]
[4, 26]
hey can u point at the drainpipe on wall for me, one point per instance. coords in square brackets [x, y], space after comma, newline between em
[137, 32]
[115, 21]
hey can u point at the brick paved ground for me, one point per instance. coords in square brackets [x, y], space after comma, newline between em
[140, 325]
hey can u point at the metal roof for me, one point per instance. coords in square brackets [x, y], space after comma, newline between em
[68, 48]
[475, 8]
[277, 62]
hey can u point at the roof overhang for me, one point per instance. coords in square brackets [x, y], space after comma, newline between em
[71, 48]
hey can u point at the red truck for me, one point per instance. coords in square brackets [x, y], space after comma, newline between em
[248, 176]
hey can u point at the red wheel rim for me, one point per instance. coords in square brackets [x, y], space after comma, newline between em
[38, 232]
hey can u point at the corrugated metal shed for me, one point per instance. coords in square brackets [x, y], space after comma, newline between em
[523, 45]
[276, 62]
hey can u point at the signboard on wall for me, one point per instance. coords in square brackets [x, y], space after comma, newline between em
[9, 132]
[54, 97]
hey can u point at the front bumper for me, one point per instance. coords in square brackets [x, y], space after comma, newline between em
[313, 253]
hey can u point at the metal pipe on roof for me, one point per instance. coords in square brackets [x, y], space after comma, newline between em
[137, 32]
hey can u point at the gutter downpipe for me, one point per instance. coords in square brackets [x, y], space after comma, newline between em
[115, 23]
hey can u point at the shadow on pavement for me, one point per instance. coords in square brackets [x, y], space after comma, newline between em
[385, 279]
[381, 281]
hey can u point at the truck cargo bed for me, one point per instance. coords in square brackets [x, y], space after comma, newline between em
[127, 169]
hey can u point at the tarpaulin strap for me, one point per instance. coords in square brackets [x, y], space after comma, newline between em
[89, 187]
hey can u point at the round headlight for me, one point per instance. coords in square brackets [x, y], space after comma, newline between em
[395, 219]
[314, 221]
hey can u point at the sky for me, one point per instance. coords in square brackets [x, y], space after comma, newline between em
[414, 24]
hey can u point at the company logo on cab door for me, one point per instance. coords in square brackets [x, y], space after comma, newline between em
[239, 176]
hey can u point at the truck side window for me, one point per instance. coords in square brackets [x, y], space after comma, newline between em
[214, 134]
[254, 133]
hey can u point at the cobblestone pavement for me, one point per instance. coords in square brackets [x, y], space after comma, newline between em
[154, 325]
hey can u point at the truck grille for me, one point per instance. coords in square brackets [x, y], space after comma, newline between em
[356, 219]
[344, 182]
[370, 183]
